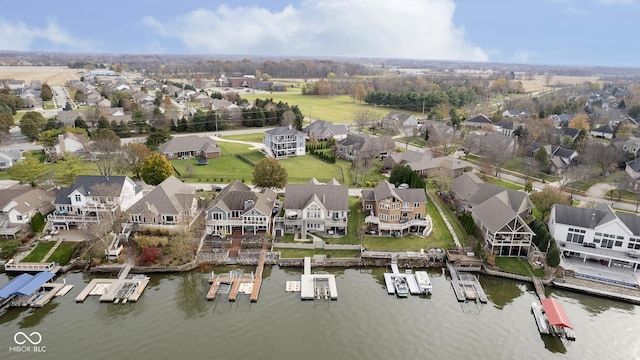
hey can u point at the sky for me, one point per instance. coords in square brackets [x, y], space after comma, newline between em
[551, 32]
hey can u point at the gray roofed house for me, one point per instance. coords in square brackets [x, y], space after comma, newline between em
[179, 147]
[561, 158]
[394, 211]
[478, 121]
[8, 158]
[516, 113]
[325, 130]
[68, 118]
[632, 168]
[606, 131]
[238, 208]
[91, 199]
[396, 121]
[506, 127]
[314, 207]
[426, 165]
[283, 142]
[364, 147]
[498, 213]
[171, 204]
[438, 131]
[19, 203]
[600, 232]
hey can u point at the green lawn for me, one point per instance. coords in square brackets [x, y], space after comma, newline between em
[63, 253]
[257, 138]
[414, 140]
[301, 253]
[336, 109]
[516, 266]
[455, 224]
[303, 168]
[229, 148]
[39, 252]
[224, 169]
[503, 183]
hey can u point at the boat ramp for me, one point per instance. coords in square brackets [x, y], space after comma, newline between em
[123, 289]
[466, 286]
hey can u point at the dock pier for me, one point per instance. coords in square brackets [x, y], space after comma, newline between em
[235, 282]
[389, 280]
[466, 286]
[122, 289]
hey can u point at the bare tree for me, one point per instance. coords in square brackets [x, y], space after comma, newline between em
[602, 156]
[363, 118]
[288, 118]
[547, 79]
[107, 152]
[498, 153]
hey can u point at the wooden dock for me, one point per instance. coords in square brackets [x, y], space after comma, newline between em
[122, 289]
[466, 286]
[235, 283]
[539, 287]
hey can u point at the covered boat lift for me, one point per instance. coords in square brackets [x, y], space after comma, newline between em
[557, 318]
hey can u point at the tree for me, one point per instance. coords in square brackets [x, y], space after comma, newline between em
[359, 92]
[362, 118]
[135, 155]
[156, 169]
[288, 118]
[268, 173]
[106, 148]
[553, 257]
[580, 122]
[30, 170]
[634, 111]
[546, 198]
[157, 137]
[603, 156]
[46, 94]
[547, 79]
[31, 124]
[528, 187]
[67, 170]
[6, 122]
[542, 159]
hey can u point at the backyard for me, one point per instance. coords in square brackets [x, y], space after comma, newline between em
[39, 252]
[515, 265]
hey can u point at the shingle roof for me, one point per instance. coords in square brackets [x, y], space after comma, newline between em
[385, 190]
[236, 195]
[480, 118]
[320, 128]
[634, 164]
[583, 217]
[284, 130]
[332, 195]
[99, 185]
[171, 196]
[189, 143]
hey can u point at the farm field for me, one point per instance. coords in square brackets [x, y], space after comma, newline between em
[52, 75]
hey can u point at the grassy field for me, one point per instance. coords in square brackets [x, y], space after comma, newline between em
[257, 138]
[455, 224]
[503, 183]
[303, 168]
[516, 266]
[339, 109]
[63, 253]
[38, 253]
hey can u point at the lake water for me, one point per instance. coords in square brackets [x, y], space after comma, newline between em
[173, 320]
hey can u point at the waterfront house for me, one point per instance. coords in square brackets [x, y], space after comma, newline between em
[325, 130]
[283, 142]
[364, 147]
[599, 233]
[394, 211]
[19, 203]
[314, 207]
[90, 199]
[190, 146]
[499, 214]
[238, 208]
[170, 205]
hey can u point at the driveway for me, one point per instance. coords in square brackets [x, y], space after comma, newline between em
[599, 190]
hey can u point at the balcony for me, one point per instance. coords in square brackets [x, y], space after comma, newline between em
[383, 225]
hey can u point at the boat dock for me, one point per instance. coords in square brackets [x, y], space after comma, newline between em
[551, 317]
[539, 287]
[466, 286]
[389, 280]
[123, 289]
[235, 282]
[31, 290]
[317, 285]
[31, 267]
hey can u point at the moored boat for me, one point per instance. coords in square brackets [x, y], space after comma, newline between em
[424, 283]
[402, 290]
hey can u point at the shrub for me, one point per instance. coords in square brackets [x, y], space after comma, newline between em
[149, 254]
[553, 257]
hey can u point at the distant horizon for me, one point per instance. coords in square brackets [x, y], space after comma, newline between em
[578, 33]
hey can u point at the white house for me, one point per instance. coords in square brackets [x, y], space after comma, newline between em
[599, 233]
[282, 142]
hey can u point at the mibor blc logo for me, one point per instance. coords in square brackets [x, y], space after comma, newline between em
[27, 342]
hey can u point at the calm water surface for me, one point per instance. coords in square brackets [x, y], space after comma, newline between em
[173, 320]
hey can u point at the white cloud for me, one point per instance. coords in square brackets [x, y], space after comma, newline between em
[366, 28]
[524, 56]
[17, 35]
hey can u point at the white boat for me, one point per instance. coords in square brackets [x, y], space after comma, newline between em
[424, 283]
[541, 319]
[402, 290]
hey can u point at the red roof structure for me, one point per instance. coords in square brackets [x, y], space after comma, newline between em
[555, 313]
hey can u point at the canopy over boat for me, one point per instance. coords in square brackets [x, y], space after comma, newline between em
[555, 313]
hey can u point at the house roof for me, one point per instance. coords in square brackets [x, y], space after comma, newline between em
[75, 137]
[93, 185]
[367, 144]
[409, 156]
[396, 115]
[567, 131]
[480, 118]
[13, 154]
[506, 124]
[332, 195]
[321, 128]
[236, 195]
[465, 185]
[606, 129]
[385, 190]
[189, 143]
[284, 130]
[634, 164]
[171, 196]
[583, 217]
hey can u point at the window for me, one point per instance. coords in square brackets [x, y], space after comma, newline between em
[169, 218]
[19, 217]
[575, 235]
[135, 218]
[368, 207]
[78, 198]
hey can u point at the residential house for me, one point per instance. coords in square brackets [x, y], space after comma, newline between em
[104, 103]
[426, 165]
[9, 157]
[170, 205]
[324, 130]
[364, 147]
[314, 207]
[19, 203]
[561, 120]
[569, 132]
[499, 214]
[90, 199]
[180, 147]
[438, 131]
[405, 157]
[93, 98]
[559, 157]
[632, 168]
[516, 113]
[238, 208]
[479, 121]
[598, 233]
[283, 142]
[68, 118]
[394, 211]
[631, 145]
[399, 122]
[489, 143]
[67, 143]
[506, 127]
[606, 131]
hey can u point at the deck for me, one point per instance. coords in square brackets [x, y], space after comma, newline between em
[123, 289]
[318, 285]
